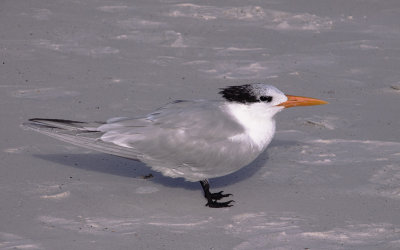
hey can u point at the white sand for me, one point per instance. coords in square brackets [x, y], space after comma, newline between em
[329, 180]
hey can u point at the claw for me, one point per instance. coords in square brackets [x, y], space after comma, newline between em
[216, 204]
[219, 195]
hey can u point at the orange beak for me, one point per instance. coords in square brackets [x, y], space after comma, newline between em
[294, 101]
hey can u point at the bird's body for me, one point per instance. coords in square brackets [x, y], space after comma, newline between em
[195, 140]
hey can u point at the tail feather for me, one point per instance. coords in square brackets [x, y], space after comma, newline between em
[66, 124]
[80, 134]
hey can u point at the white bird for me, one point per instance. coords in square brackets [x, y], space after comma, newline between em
[196, 140]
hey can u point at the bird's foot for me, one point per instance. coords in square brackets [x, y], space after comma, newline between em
[216, 204]
[213, 198]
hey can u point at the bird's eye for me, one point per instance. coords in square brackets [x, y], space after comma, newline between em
[266, 98]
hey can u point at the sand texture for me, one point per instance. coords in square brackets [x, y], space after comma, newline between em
[330, 179]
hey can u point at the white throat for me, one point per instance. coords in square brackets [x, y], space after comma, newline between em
[257, 120]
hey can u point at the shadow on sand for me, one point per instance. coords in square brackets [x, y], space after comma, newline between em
[115, 165]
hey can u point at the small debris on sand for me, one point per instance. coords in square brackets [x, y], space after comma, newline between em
[149, 176]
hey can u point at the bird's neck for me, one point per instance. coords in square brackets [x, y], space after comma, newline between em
[257, 120]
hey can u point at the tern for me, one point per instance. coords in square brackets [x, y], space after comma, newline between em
[196, 140]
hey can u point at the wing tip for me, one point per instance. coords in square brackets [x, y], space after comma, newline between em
[40, 120]
[33, 125]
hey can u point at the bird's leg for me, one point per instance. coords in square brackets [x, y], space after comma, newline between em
[213, 198]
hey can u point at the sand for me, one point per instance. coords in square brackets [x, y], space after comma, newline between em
[329, 180]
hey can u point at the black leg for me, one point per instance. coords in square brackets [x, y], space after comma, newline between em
[213, 198]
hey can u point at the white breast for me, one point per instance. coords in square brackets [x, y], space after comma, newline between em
[257, 121]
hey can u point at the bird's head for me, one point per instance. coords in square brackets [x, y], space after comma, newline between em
[266, 94]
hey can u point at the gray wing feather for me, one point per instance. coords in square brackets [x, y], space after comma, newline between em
[200, 119]
[78, 136]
